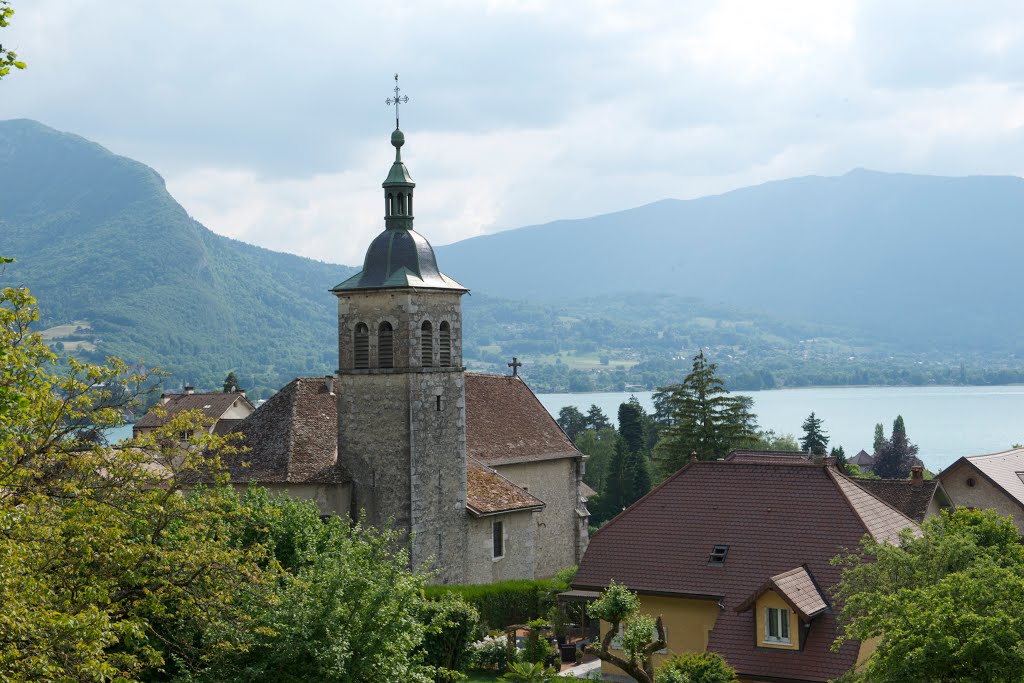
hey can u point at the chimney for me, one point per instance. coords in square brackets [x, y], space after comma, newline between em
[165, 399]
[329, 384]
[693, 456]
[189, 390]
[917, 476]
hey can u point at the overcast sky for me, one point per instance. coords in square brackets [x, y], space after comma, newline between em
[267, 119]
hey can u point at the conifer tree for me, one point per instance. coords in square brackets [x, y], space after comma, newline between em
[572, 421]
[611, 498]
[839, 456]
[879, 437]
[230, 383]
[636, 477]
[703, 418]
[815, 439]
[631, 424]
[596, 419]
[896, 455]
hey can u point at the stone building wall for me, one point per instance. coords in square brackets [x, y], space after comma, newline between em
[982, 495]
[332, 499]
[559, 539]
[519, 531]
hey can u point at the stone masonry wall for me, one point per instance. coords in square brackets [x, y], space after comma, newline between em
[519, 530]
[556, 482]
[982, 495]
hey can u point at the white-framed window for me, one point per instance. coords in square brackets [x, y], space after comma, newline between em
[498, 539]
[776, 625]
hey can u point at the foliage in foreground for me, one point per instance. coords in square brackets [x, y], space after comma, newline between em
[8, 59]
[116, 565]
[946, 606]
[619, 607]
[696, 667]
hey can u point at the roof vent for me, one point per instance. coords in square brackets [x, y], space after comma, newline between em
[717, 557]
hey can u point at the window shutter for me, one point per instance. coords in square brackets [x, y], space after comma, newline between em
[426, 344]
[361, 346]
[385, 346]
[445, 344]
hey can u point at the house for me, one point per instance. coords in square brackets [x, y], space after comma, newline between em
[737, 560]
[994, 481]
[862, 460]
[223, 410]
[917, 498]
[471, 469]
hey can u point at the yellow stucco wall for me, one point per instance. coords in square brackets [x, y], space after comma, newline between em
[688, 623]
[772, 599]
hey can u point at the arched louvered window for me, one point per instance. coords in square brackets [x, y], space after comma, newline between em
[445, 344]
[389, 205]
[426, 344]
[361, 346]
[401, 204]
[385, 346]
[410, 203]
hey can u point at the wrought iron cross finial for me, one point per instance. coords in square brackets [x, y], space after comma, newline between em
[515, 365]
[397, 99]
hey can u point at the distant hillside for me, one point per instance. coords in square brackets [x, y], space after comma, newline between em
[927, 262]
[98, 239]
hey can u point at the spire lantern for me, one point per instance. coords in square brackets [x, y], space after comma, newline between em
[398, 186]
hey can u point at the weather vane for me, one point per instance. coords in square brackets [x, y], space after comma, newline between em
[396, 100]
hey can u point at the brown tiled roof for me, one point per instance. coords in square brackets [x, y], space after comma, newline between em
[901, 494]
[773, 516]
[1003, 470]
[780, 457]
[212, 405]
[862, 458]
[505, 423]
[487, 492]
[882, 521]
[798, 589]
[292, 438]
[586, 491]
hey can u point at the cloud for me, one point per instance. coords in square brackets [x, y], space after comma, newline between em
[270, 126]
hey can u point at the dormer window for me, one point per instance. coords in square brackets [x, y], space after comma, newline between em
[361, 346]
[426, 344]
[718, 553]
[776, 625]
[385, 346]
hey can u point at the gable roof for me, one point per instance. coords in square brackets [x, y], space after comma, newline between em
[797, 588]
[292, 438]
[772, 516]
[212, 405]
[488, 493]
[862, 458]
[506, 423]
[1004, 470]
[902, 494]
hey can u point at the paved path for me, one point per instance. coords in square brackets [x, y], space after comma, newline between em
[583, 670]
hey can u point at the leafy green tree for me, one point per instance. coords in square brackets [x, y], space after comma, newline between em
[596, 419]
[768, 440]
[230, 382]
[642, 635]
[947, 605]
[600, 446]
[815, 439]
[703, 418]
[896, 456]
[451, 625]
[631, 424]
[879, 438]
[8, 59]
[696, 667]
[572, 422]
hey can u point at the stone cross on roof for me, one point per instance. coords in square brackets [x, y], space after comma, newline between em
[515, 365]
[396, 100]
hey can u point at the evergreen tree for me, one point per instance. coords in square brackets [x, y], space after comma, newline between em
[896, 456]
[599, 445]
[230, 382]
[612, 497]
[815, 439]
[631, 424]
[572, 421]
[636, 477]
[879, 437]
[839, 456]
[596, 419]
[702, 417]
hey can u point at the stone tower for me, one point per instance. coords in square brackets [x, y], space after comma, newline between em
[401, 387]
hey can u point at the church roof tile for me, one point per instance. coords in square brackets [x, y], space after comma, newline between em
[488, 493]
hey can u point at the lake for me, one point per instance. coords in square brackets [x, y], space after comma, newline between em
[946, 422]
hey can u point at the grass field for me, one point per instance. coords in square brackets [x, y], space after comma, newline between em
[483, 677]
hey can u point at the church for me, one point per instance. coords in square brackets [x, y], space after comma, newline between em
[470, 467]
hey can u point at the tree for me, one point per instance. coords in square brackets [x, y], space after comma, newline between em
[702, 417]
[572, 422]
[768, 440]
[815, 439]
[636, 477]
[596, 419]
[896, 456]
[839, 457]
[611, 498]
[631, 424]
[641, 634]
[879, 438]
[600, 446]
[451, 628]
[947, 605]
[696, 667]
[8, 58]
[231, 383]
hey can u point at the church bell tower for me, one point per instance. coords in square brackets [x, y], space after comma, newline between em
[401, 386]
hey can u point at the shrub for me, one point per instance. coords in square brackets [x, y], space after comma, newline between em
[696, 667]
[491, 653]
[451, 626]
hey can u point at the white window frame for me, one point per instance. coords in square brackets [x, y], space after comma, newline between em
[779, 618]
[498, 526]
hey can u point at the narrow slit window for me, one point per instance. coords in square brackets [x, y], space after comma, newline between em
[438, 402]
[426, 344]
[445, 344]
[361, 346]
[498, 539]
[385, 346]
